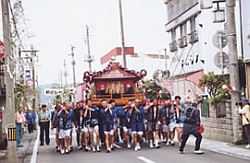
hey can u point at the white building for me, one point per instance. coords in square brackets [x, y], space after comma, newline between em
[137, 62]
[197, 36]
[197, 43]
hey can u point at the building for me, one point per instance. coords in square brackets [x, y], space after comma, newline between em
[135, 61]
[198, 44]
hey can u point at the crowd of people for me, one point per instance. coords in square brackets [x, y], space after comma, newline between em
[136, 122]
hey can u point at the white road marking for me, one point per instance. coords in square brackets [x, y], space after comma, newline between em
[35, 148]
[145, 159]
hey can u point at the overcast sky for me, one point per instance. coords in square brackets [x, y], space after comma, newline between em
[58, 24]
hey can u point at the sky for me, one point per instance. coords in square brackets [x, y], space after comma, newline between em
[58, 24]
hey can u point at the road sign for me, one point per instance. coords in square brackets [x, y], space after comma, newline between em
[27, 73]
[220, 39]
[1, 50]
[29, 82]
[221, 60]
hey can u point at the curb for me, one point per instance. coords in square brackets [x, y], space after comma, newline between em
[222, 148]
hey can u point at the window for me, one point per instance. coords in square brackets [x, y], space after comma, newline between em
[183, 33]
[219, 12]
[183, 29]
[193, 36]
[193, 24]
[173, 34]
[173, 44]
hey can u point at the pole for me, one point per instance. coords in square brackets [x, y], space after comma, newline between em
[122, 34]
[33, 53]
[10, 105]
[221, 54]
[233, 64]
[166, 62]
[73, 64]
[89, 60]
[66, 82]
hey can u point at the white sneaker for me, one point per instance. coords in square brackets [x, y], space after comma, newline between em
[62, 151]
[58, 149]
[112, 147]
[157, 145]
[136, 148]
[87, 148]
[93, 149]
[79, 147]
[181, 152]
[172, 143]
[167, 143]
[248, 146]
[108, 150]
[98, 149]
[198, 152]
[151, 145]
[128, 145]
[66, 151]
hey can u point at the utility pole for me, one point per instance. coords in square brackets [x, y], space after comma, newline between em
[73, 64]
[66, 82]
[60, 79]
[122, 34]
[65, 73]
[9, 82]
[89, 60]
[233, 64]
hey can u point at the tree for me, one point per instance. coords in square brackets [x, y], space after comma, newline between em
[153, 90]
[213, 84]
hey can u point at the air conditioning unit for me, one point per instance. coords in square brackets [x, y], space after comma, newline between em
[173, 46]
[182, 42]
[193, 37]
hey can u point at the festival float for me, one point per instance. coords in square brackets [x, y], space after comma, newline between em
[114, 82]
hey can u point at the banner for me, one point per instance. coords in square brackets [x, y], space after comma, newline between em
[58, 91]
[53, 92]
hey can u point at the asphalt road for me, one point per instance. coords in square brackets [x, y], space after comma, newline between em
[47, 154]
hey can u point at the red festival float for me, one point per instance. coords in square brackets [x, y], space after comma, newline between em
[114, 82]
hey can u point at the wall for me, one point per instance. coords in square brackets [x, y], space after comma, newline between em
[220, 129]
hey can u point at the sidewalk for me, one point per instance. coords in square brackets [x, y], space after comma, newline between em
[24, 153]
[222, 147]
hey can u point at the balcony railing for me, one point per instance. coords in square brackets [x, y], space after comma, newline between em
[182, 42]
[173, 46]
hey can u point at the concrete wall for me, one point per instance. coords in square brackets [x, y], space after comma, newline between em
[220, 129]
